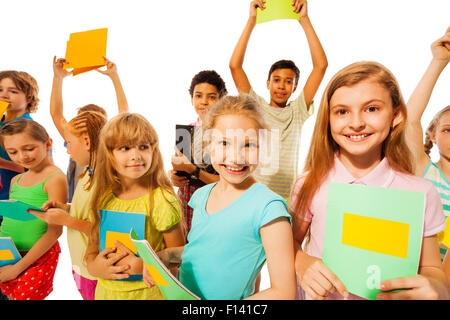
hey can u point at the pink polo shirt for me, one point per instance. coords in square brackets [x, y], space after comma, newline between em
[382, 176]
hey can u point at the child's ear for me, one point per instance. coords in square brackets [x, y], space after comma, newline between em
[268, 83]
[433, 136]
[295, 88]
[49, 144]
[398, 117]
[87, 142]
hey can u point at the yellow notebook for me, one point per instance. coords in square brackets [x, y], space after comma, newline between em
[85, 50]
[3, 106]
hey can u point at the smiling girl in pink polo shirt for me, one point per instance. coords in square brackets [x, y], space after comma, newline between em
[359, 138]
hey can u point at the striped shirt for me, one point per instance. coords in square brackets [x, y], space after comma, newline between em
[278, 161]
[434, 174]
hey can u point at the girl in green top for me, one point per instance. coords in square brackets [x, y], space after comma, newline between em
[28, 145]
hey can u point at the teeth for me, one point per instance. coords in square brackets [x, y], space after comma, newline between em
[234, 168]
[358, 137]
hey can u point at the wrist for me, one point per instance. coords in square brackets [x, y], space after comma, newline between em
[439, 63]
[58, 78]
[304, 21]
[114, 76]
[190, 168]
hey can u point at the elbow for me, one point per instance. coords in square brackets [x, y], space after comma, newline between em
[322, 66]
[288, 292]
[234, 66]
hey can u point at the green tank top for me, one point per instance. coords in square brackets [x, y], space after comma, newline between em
[26, 233]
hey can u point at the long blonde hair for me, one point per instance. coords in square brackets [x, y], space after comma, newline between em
[125, 129]
[320, 159]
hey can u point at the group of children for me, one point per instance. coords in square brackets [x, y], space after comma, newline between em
[229, 217]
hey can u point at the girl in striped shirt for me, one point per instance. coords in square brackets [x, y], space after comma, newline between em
[438, 131]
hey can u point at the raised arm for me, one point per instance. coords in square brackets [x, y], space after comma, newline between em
[111, 71]
[319, 59]
[237, 58]
[419, 99]
[56, 99]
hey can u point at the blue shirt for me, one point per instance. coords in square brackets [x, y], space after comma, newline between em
[7, 175]
[224, 254]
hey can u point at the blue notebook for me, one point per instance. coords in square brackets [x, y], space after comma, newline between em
[115, 225]
[8, 252]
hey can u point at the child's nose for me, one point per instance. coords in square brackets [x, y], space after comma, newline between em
[357, 121]
[4, 95]
[236, 156]
[135, 154]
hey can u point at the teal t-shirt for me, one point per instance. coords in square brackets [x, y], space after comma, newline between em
[224, 253]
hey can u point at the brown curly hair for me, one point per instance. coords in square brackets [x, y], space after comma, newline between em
[25, 83]
[431, 130]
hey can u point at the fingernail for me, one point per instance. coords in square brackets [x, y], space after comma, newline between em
[381, 286]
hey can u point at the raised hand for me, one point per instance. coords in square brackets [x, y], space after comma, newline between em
[58, 70]
[256, 4]
[441, 47]
[300, 6]
[111, 68]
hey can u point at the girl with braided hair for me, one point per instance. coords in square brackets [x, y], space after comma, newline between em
[438, 131]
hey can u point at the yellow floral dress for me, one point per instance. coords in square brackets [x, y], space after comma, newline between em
[166, 213]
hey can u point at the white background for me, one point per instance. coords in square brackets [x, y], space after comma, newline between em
[159, 46]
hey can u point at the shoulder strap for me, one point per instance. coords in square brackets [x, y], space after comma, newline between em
[57, 171]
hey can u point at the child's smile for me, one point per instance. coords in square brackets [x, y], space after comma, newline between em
[234, 153]
[361, 117]
[26, 151]
[132, 162]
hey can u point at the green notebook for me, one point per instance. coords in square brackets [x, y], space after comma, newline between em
[276, 10]
[170, 287]
[372, 234]
[16, 209]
